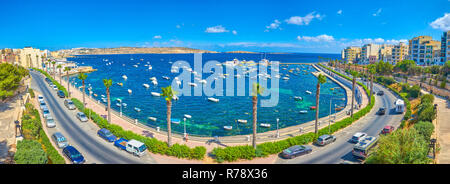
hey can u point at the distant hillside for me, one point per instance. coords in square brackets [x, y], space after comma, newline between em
[135, 50]
[239, 51]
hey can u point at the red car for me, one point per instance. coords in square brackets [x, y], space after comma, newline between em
[387, 130]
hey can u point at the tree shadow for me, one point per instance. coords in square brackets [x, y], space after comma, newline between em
[147, 133]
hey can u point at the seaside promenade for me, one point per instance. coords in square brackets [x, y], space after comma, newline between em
[210, 142]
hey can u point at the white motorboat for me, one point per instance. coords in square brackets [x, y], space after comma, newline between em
[155, 94]
[165, 77]
[228, 127]
[187, 116]
[309, 92]
[298, 98]
[146, 85]
[265, 125]
[303, 112]
[135, 66]
[124, 77]
[213, 99]
[175, 97]
[175, 121]
[124, 104]
[118, 104]
[154, 82]
[152, 118]
[242, 121]
[153, 79]
[150, 67]
[104, 100]
[129, 91]
[137, 109]
[285, 78]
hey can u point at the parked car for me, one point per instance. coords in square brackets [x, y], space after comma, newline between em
[295, 151]
[380, 93]
[42, 105]
[107, 135]
[325, 139]
[60, 140]
[40, 98]
[45, 112]
[356, 137]
[133, 146]
[61, 94]
[50, 121]
[387, 129]
[82, 117]
[74, 155]
[69, 104]
[381, 111]
[55, 87]
[48, 80]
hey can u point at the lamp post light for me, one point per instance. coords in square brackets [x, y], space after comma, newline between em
[278, 132]
[121, 104]
[184, 119]
[90, 94]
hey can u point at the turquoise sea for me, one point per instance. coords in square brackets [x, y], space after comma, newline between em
[208, 118]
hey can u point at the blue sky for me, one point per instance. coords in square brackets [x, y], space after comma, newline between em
[322, 26]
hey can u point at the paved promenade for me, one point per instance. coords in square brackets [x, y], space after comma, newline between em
[208, 142]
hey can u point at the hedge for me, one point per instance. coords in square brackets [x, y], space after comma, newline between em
[234, 153]
[30, 152]
[153, 144]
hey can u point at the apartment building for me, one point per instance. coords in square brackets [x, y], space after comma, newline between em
[30, 57]
[385, 53]
[445, 47]
[424, 50]
[369, 50]
[351, 54]
[399, 53]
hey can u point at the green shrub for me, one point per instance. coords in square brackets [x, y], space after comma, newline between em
[426, 112]
[30, 152]
[53, 154]
[427, 98]
[425, 129]
[31, 92]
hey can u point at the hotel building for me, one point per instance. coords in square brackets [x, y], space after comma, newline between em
[399, 53]
[445, 47]
[424, 50]
[369, 50]
[351, 54]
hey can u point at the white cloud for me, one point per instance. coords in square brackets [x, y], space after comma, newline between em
[216, 29]
[442, 23]
[339, 12]
[377, 13]
[234, 32]
[297, 20]
[274, 25]
[320, 38]
[157, 37]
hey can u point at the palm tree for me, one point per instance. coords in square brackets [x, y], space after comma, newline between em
[54, 69]
[257, 90]
[82, 77]
[108, 84]
[67, 69]
[321, 79]
[355, 74]
[59, 67]
[168, 92]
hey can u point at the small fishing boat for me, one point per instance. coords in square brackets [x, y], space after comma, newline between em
[187, 116]
[165, 77]
[265, 125]
[298, 98]
[155, 94]
[129, 91]
[242, 121]
[175, 120]
[313, 107]
[95, 95]
[285, 78]
[228, 127]
[338, 108]
[175, 97]
[150, 67]
[146, 85]
[124, 77]
[135, 66]
[137, 109]
[309, 92]
[213, 99]
[118, 104]
[153, 79]
[155, 83]
[120, 84]
[104, 100]
[303, 112]
[152, 118]
[124, 104]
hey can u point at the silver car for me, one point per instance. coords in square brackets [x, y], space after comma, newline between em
[69, 104]
[82, 117]
[325, 139]
[50, 121]
[60, 140]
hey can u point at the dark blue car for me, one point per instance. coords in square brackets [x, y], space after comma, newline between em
[61, 94]
[74, 155]
[107, 135]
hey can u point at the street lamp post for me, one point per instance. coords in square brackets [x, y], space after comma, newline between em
[329, 117]
[278, 133]
[90, 94]
[184, 119]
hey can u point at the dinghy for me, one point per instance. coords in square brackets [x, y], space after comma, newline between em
[175, 120]
[137, 109]
[155, 94]
[242, 121]
[213, 99]
[228, 127]
[303, 112]
[297, 98]
[152, 118]
[265, 125]
[187, 116]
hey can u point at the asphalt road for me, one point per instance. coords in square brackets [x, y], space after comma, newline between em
[82, 135]
[340, 150]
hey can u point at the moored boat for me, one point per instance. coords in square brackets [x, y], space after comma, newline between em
[155, 94]
[152, 118]
[228, 127]
[213, 99]
[242, 121]
[187, 116]
[265, 125]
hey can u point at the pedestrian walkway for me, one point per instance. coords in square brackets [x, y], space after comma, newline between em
[443, 129]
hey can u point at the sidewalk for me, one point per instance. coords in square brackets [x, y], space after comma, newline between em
[443, 130]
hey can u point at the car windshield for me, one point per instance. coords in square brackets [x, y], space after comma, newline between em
[320, 139]
[61, 139]
[50, 120]
[108, 134]
[142, 148]
[70, 102]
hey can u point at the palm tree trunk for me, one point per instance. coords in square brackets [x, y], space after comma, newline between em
[84, 90]
[169, 129]
[68, 84]
[60, 76]
[371, 86]
[109, 105]
[255, 109]
[353, 95]
[316, 128]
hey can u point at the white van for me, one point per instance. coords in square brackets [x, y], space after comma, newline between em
[399, 106]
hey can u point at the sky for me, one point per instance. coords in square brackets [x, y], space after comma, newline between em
[320, 26]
